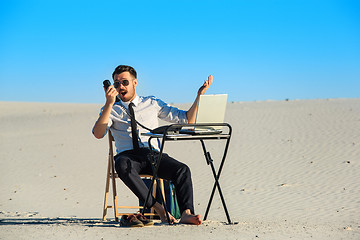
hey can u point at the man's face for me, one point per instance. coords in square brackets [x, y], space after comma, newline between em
[126, 93]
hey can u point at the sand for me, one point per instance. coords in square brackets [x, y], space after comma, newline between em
[292, 171]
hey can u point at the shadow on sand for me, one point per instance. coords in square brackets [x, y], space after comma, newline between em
[89, 222]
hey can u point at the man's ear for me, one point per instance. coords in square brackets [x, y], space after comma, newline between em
[135, 82]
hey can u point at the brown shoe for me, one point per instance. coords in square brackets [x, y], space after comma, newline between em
[130, 221]
[144, 220]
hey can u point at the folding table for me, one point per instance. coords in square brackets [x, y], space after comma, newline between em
[168, 136]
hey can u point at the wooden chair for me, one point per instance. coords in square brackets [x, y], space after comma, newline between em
[111, 179]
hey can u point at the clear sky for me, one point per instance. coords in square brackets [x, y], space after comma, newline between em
[61, 51]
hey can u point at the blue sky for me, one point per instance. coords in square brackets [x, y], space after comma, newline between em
[61, 51]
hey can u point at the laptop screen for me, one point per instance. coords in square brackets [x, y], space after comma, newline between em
[211, 109]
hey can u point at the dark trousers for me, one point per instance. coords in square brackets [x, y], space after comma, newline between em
[129, 164]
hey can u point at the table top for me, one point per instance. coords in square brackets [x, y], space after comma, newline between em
[187, 136]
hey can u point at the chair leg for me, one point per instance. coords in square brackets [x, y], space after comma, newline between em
[106, 198]
[114, 189]
[152, 210]
[162, 188]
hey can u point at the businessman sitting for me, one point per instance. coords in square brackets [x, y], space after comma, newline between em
[132, 148]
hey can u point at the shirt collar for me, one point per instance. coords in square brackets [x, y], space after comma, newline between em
[135, 101]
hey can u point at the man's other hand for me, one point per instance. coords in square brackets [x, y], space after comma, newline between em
[206, 85]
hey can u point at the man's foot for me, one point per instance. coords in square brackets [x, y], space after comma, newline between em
[162, 214]
[172, 219]
[190, 219]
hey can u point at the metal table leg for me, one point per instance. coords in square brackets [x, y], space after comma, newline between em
[216, 177]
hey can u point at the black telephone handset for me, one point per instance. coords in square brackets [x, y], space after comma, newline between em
[107, 84]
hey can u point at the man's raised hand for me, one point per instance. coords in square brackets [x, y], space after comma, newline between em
[206, 85]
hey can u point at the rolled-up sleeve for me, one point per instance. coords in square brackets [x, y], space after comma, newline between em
[110, 122]
[171, 114]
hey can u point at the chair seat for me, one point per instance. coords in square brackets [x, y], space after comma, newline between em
[141, 175]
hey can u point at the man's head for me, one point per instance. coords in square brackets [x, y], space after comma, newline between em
[125, 82]
[123, 68]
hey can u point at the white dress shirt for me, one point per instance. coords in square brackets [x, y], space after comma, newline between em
[147, 111]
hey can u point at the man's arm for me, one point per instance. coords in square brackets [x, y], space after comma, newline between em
[101, 124]
[191, 113]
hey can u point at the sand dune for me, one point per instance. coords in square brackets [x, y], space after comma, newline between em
[292, 171]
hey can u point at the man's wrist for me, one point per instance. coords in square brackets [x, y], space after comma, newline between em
[109, 103]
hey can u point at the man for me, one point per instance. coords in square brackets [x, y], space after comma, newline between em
[132, 147]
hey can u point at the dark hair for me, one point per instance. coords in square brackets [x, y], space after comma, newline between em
[124, 68]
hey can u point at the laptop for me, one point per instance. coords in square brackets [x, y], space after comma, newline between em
[211, 109]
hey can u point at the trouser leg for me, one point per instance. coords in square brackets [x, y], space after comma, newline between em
[180, 175]
[128, 166]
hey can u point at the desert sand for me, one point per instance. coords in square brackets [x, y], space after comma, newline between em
[292, 172]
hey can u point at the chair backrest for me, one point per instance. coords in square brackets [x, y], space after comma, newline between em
[111, 138]
[111, 149]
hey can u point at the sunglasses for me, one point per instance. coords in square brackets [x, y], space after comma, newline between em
[124, 82]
